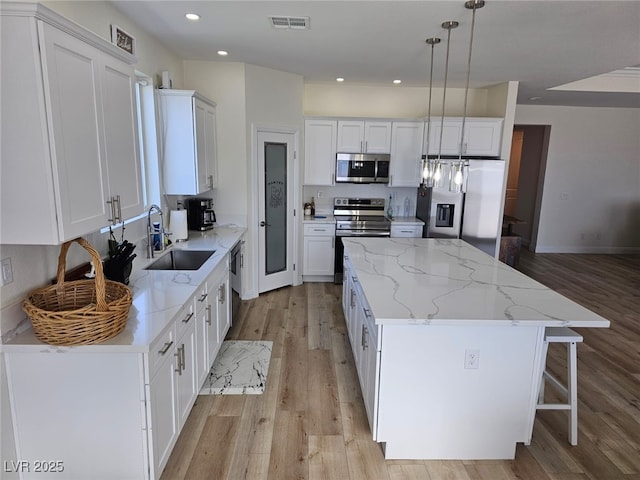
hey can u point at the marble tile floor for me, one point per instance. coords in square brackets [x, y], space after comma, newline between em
[240, 368]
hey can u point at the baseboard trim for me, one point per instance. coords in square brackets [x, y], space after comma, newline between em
[592, 250]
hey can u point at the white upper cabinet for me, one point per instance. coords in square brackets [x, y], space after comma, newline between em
[356, 136]
[406, 153]
[69, 140]
[188, 140]
[482, 137]
[320, 151]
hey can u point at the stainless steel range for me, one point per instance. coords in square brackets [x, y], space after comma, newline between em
[357, 217]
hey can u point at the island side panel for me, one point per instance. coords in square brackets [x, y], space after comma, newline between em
[432, 407]
[83, 410]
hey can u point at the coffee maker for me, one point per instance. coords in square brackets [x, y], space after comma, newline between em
[200, 214]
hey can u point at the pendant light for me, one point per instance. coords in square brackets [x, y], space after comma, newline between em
[428, 164]
[457, 180]
[438, 169]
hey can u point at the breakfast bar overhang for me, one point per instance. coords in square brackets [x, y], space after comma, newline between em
[458, 340]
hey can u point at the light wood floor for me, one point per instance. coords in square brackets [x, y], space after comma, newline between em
[311, 424]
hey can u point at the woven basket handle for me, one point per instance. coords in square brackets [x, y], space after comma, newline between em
[101, 302]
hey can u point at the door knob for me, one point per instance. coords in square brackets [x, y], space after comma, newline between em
[264, 224]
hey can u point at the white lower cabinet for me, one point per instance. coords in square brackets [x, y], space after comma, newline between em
[319, 249]
[363, 335]
[117, 414]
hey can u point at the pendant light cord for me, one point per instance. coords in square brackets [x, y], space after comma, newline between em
[473, 5]
[449, 26]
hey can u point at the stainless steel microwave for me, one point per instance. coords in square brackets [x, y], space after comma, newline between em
[362, 168]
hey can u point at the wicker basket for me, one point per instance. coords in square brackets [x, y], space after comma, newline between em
[79, 312]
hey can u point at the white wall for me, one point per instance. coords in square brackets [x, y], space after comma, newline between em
[246, 96]
[224, 83]
[343, 100]
[98, 16]
[591, 195]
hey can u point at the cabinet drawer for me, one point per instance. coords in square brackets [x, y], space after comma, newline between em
[320, 230]
[399, 231]
[185, 318]
[161, 349]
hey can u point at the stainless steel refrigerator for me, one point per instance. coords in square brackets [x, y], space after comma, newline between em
[475, 214]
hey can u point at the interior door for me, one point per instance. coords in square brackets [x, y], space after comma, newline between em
[275, 209]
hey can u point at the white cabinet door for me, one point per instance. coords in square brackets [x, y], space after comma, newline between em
[71, 70]
[320, 151]
[350, 136]
[202, 338]
[188, 141]
[186, 386]
[164, 410]
[224, 307]
[377, 137]
[406, 153]
[451, 135]
[121, 142]
[210, 146]
[355, 136]
[318, 255]
[369, 365]
[482, 137]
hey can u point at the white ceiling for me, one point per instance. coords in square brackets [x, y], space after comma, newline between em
[540, 43]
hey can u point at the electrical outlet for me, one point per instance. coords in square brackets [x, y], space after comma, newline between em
[471, 358]
[7, 271]
[320, 194]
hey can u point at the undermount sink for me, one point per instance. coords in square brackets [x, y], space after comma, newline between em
[181, 260]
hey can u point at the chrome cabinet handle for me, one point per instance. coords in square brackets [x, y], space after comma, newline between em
[111, 203]
[242, 260]
[208, 315]
[119, 216]
[166, 348]
[203, 297]
[179, 356]
[222, 291]
[187, 318]
[210, 181]
[367, 312]
[352, 302]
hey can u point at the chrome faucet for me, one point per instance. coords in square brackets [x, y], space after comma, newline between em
[150, 232]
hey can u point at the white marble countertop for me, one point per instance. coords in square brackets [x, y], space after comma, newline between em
[449, 282]
[158, 296]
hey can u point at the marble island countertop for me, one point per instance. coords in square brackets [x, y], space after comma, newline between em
[449, 282]
[158, 296]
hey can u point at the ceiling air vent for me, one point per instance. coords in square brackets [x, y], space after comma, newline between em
[293, 23]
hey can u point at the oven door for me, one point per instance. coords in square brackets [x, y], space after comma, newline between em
[338, 265]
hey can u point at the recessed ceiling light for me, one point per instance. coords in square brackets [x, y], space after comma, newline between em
[397, 81]
[223, 53]
[192, 16]
[339, 79]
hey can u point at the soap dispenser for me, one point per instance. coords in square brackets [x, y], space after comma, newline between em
[389, 209]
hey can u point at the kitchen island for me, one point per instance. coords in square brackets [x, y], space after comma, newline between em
[114, 410]
[448, 345]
